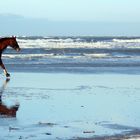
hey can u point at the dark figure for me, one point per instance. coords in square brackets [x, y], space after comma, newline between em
[4, 110]
[4, 43]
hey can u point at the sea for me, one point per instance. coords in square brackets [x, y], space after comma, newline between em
[75, 54]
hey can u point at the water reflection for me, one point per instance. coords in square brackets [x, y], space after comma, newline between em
[4, 109]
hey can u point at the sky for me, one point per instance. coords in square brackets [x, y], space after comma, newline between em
[82, 11]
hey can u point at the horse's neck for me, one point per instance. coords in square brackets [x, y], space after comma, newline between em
[4, 45]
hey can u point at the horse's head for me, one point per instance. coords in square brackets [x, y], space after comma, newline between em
[14, 44]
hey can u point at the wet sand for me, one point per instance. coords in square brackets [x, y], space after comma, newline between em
[66, 106]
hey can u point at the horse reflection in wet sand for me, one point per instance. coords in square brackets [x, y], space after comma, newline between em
[4, 43]
[4, 110]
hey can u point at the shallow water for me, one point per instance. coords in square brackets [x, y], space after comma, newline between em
[63, 106]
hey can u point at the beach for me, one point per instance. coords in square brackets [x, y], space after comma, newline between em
[69, 70]
[74, 106]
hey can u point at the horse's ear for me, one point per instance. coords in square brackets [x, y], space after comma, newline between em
[14, 37]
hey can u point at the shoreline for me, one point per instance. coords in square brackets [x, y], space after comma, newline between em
[81, 70]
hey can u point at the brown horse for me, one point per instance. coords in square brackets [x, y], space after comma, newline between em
[4, 43]
[4, 110]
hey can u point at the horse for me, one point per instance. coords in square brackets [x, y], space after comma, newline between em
[4, 43]
[5, 110]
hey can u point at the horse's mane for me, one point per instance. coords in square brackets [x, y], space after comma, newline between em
[5, 38]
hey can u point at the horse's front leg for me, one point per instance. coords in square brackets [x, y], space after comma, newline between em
[6, 73]
[4, 69]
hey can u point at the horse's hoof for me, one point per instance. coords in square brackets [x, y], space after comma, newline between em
[7, 75]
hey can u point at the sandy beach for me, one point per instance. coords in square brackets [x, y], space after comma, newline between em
[71, 106]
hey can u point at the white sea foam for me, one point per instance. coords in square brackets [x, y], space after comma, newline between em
[70, 43]
[27, 55]
[59, 56]
[97, 55]
[127, 40]
[38, 56]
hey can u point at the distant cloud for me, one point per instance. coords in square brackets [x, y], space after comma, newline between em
[10, 16]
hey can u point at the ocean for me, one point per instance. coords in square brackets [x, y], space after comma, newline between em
[76, 54]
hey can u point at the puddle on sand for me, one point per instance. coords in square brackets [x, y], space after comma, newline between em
[68, 105]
